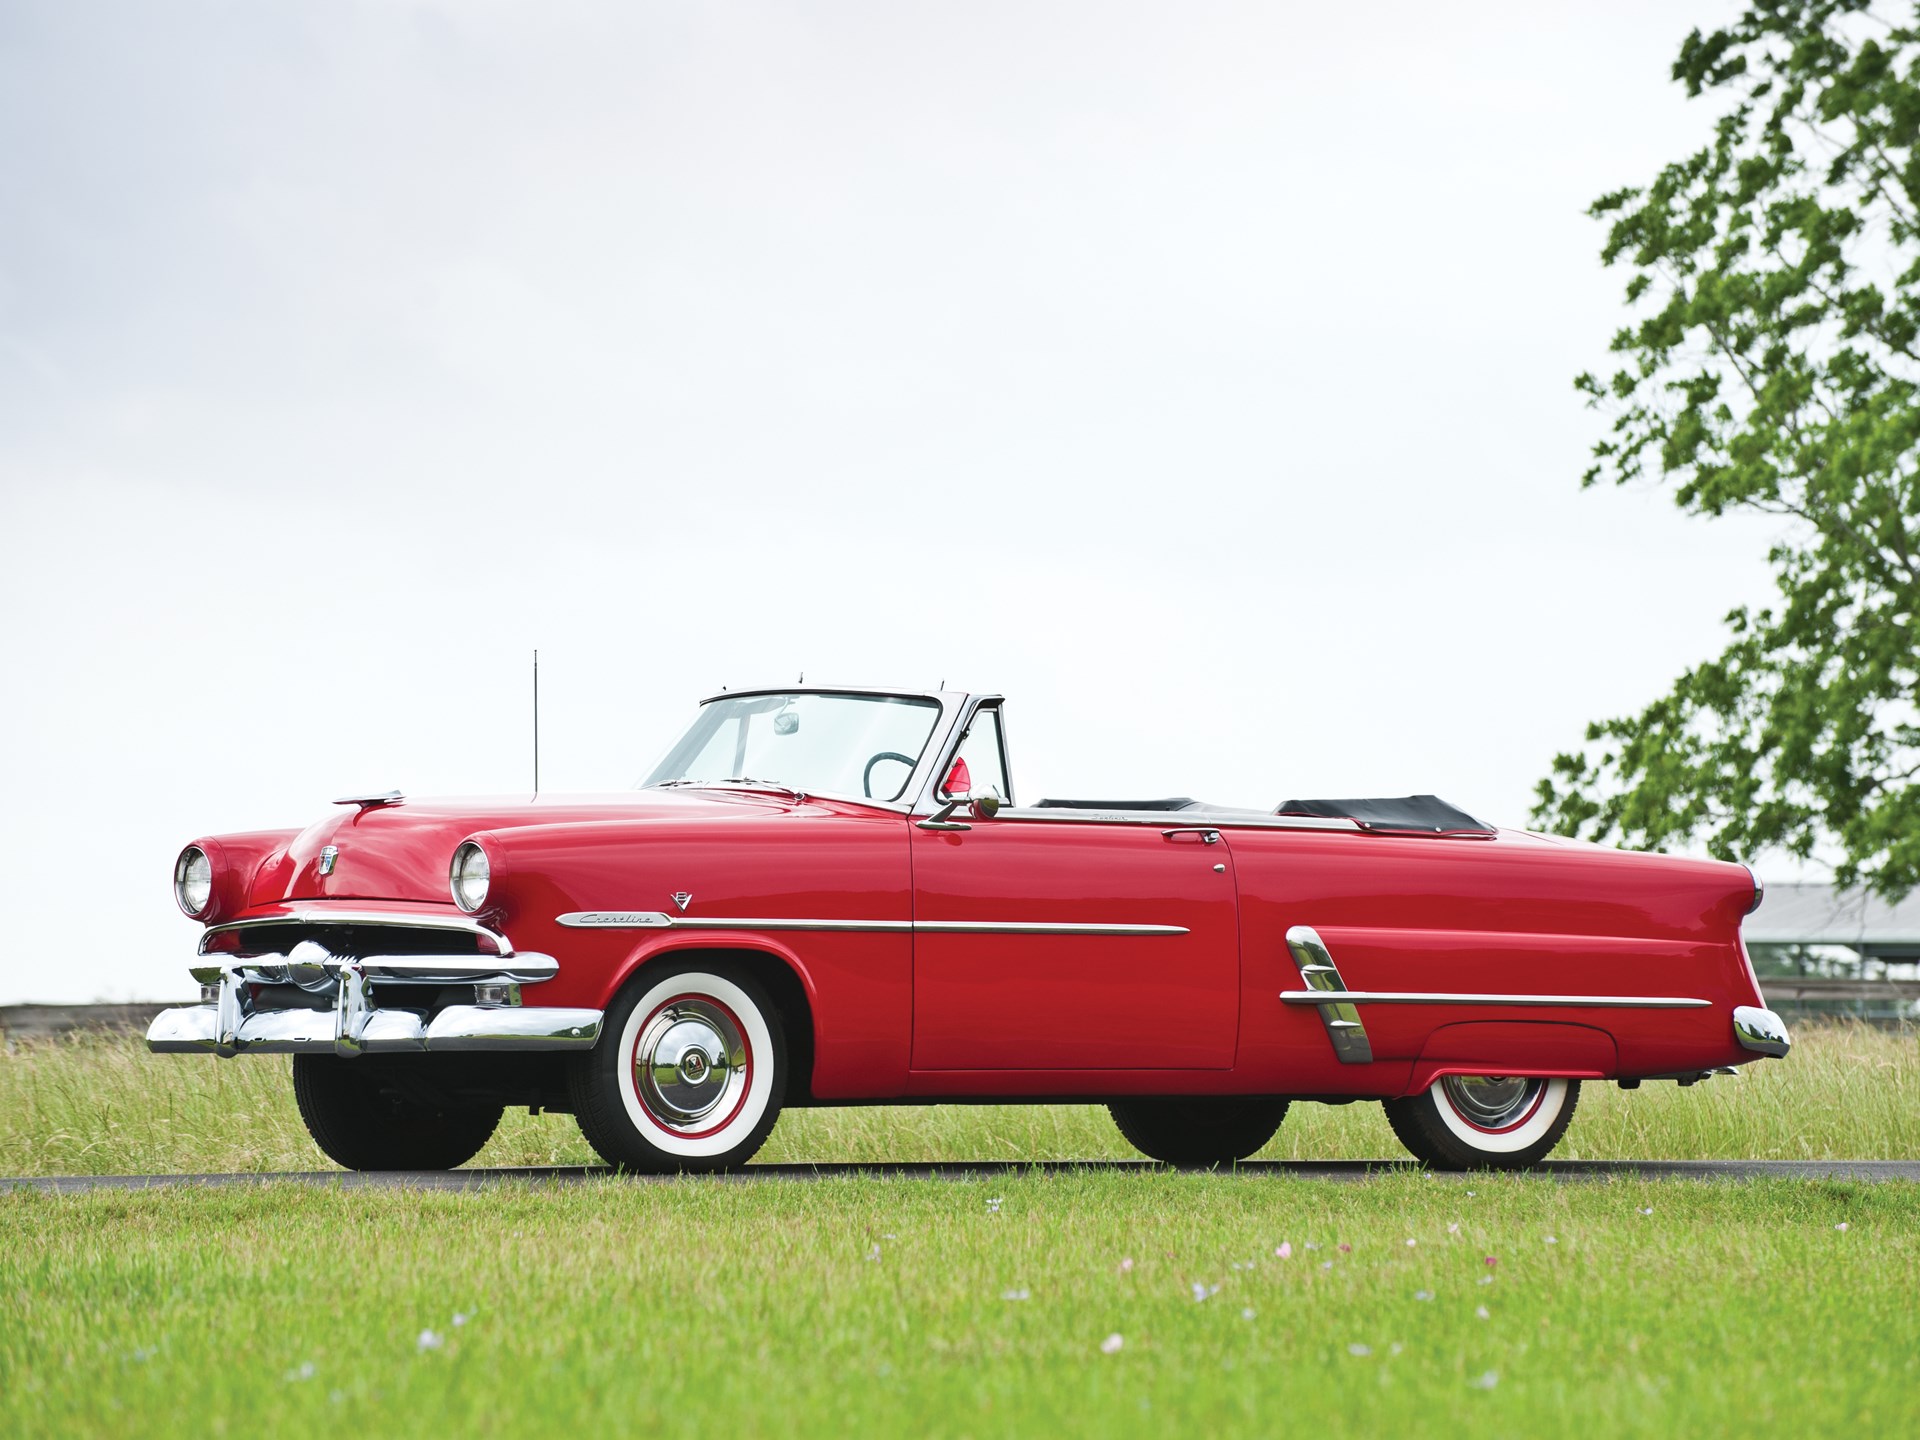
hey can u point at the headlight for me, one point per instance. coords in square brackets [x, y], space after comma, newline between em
[193, 881]
[470, 874]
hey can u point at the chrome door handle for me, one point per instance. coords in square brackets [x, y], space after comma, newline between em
[1208, 835]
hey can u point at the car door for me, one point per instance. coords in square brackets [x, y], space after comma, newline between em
[1044, 944]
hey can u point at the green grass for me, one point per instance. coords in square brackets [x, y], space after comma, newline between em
[98, 1105]
[862, 1305]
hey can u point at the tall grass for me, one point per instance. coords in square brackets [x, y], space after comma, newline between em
[93, 1104]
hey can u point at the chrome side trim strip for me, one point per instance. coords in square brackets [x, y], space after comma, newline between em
[1435, 997]
[1201, 819]
[1327, 991]
[659, 920]
[1039, 927]
[424, 920]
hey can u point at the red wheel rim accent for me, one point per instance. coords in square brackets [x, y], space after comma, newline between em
[746, 1068]
[1539, 1098]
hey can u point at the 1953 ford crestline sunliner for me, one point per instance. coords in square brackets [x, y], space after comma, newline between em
[831, 897]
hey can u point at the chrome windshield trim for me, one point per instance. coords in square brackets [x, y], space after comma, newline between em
[1435, 997]
[399, 920]
[659, 920]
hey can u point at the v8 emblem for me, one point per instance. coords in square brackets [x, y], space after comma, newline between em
[682, 899]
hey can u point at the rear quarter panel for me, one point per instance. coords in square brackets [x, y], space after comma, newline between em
[1513, 914]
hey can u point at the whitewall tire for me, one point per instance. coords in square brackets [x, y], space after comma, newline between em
[689, 1071]
[1484, 1122]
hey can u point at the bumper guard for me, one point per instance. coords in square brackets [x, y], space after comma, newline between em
[231, 1023]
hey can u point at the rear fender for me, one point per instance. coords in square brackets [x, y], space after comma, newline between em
[1515, 1047]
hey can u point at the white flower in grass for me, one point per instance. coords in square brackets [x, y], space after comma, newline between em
[1359, 1351]
[1553, 1239]
[1111, 1345]
[302, 1371]
[874, 1253]
[1646, 1209]
[1486, 1381]
[460, 1317]
[1486, 1279]
[1395, 1348]
[429, 1340]
[1247, 1313]
[1481, 1311]
[1841, 1226]
[1204, 1292]
[1453, 1228]
[1016, 1294]
[1411, 1242]
[1284, 1250]
[1126, 1264]
[1423, 1294]
[1243, 1264]
[1326, 1264]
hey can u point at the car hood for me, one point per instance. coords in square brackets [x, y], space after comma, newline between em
[402, 851]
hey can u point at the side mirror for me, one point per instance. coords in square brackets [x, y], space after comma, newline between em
[983, 806]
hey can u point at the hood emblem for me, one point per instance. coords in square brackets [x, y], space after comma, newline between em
[682, 899]
[328, 855]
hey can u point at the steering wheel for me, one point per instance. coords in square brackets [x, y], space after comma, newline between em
[866, 776]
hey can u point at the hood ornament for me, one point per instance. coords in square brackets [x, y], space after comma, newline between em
[371, 802]
[329, 854]
[682, 899]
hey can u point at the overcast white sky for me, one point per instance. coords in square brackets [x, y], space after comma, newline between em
[1196, 375]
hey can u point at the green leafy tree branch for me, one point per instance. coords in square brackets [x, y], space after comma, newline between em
[1773, 365]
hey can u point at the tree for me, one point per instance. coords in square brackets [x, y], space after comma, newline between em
[1772, 364]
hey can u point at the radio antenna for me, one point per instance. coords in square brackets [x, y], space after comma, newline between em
[536, 722]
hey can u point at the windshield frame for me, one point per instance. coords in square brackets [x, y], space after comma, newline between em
[951, 705]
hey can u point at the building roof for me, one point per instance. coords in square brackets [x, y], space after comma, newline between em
[1805, 914]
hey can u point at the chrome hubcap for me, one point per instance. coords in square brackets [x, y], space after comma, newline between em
[1492, 1101]
[690, 1064]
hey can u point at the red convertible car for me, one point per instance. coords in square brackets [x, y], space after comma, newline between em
[832, 897]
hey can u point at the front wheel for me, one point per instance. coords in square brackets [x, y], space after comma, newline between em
[1200, 1131]
[1484, 1122]
[362, 1117]
[688, 1073]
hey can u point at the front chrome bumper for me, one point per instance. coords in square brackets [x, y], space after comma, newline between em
[232, 1022]
[1761, 1031]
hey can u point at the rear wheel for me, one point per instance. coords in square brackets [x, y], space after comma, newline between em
[689, 1072]
[1484, 1122]
[361, 1119]
[1198, 1131]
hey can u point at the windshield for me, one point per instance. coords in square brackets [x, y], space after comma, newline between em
[863, 745]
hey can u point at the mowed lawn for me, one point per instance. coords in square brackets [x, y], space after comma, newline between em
[94, 1106]
[1146, 1303]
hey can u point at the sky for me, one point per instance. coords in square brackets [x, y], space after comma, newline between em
[1197, 376]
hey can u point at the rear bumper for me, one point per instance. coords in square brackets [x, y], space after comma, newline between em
[1760, 1031]
[232, 1023]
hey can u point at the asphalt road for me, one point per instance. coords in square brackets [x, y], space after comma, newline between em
[1869, 1170]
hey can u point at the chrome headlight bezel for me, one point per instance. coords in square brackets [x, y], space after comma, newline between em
[193, 877]
[470, 875]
